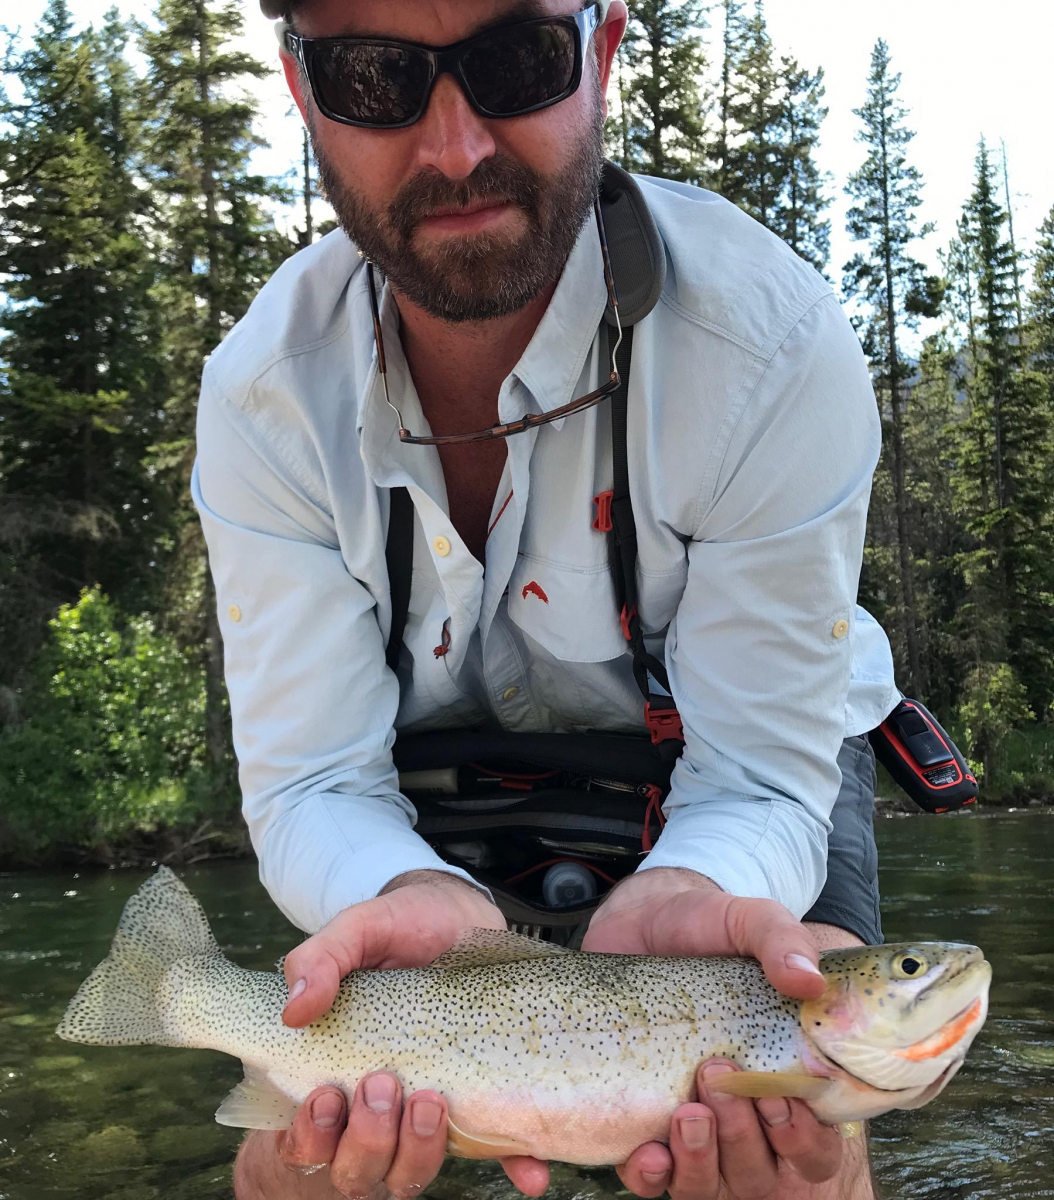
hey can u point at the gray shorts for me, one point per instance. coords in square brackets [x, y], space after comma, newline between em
[850, 896]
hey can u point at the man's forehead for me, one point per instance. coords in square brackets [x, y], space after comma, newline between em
[431, 21]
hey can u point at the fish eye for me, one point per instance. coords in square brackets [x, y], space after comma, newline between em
[909, 966]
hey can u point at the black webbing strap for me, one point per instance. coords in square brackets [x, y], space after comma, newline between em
[399, 557]
[660, 712]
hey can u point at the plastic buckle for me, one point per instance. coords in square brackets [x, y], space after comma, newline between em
[663, 725]
[602, 521]
[624, 619]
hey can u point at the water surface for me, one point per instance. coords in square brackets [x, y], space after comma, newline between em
[136, 1123]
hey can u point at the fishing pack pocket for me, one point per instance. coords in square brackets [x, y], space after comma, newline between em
[547, 821]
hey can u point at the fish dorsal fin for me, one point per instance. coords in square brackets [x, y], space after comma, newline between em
[490, 947]
[769, 1083]
[482, 1145]
[256, 1103]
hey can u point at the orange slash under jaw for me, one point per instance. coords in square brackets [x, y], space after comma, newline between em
[944, 1038]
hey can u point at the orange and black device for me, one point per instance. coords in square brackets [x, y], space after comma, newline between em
[922, 759]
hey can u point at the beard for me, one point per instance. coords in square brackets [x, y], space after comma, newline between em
[481, 276]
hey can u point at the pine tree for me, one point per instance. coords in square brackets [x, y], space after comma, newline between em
[755, 170]
[1011, 476]
[798, 216]
[664, 104]
[729, 95]
[1040, 320]
[894, 287]
[218, 247]
[78, 357]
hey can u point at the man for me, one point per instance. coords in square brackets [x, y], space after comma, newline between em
[753, 436]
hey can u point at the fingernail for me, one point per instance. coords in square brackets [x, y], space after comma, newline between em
[774, 1110]
[424, 1117]
[798, 962]
[299, 988]
[712, 1072]
[695, 1132]
[326, 1109]
[654, 1176]
[379, 1093]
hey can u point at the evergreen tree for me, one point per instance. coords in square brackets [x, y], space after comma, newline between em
[663, 108]
[1010, 480]
[755, 169]
[893, 286]
[798, 216]
[218, 247]
[729, 95]
[1040, 322]
[78, 359]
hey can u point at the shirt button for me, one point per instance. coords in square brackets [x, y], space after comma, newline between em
[234, 612]
[441, 546]
[839, 629]
[509, 693]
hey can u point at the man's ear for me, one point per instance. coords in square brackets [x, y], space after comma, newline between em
[295, 81]
[606, 40]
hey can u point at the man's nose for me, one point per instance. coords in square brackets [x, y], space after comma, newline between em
[451, 136]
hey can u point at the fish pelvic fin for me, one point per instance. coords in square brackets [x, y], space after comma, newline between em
[491, 947]
[482, 1145]
[769, 1083]
[118, 1004]
[256, 1103]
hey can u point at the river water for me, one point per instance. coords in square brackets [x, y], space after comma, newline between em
[135, 1123]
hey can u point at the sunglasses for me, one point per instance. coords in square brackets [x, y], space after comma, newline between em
[508, 71]
[531, 420]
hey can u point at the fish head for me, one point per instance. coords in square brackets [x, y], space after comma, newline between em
[897, 1018]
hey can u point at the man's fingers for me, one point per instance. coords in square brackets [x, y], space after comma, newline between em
[747, 1164]
[316, 1130]
[530, 1175]
[367, 1149]
[812, 1149]
[693, 1143]
[770, 933]
[647, 1171]
[422, 1145]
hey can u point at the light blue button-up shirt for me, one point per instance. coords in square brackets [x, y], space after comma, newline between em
[753, 435]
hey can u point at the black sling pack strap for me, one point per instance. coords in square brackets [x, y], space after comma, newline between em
[399, 555]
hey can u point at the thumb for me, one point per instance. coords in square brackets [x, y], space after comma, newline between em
[770, 933]
[314, 969]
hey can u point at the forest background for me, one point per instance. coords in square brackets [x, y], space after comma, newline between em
[135, 228]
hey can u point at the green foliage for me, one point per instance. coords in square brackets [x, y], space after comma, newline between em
[112, 735]
[993, 704]
[661, 126]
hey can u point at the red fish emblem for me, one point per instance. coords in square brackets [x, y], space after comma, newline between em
[535, 589]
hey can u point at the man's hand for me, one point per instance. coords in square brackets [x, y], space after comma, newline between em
[674, 912]
[382, 1145]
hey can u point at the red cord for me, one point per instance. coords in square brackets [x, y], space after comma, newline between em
[550, 862]
[511, 774]
[654, 806]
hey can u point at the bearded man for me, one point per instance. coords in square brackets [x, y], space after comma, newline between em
[441, 342]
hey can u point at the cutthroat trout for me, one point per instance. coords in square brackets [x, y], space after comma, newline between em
[537, 1049]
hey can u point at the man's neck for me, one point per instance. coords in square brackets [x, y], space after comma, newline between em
[458, 369]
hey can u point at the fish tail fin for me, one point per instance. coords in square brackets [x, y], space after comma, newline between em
[120, 1003]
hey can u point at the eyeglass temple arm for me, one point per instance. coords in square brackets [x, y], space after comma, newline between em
[609, 279]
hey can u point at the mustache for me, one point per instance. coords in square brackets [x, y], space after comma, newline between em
[496, 179]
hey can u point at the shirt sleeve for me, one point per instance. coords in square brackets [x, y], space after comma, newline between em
[760, 650]
[313, 702]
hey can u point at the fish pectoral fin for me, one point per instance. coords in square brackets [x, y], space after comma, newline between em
[769, 1083]
[488, 947]
[256, 1103]
[481, 1145]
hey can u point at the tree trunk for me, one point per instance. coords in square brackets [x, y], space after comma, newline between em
[907, 581]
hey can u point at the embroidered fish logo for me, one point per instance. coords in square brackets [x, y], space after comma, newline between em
[534, 589]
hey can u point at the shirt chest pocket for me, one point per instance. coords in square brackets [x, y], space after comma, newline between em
[572, 613]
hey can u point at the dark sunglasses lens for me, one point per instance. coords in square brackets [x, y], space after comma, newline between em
[511, 71]
[374, 84]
